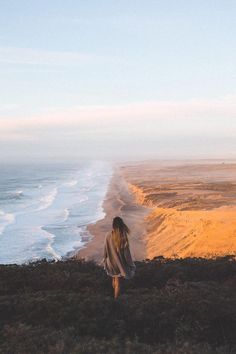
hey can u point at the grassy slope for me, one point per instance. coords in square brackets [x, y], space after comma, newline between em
[171, 306]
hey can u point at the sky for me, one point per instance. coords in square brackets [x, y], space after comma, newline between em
[117, 79]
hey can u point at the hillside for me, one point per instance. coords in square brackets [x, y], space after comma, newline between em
[193, 208]
[171, 306]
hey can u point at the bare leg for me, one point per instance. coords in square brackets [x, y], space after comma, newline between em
[113, 282]
[116, 287]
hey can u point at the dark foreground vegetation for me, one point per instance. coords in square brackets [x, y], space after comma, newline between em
[171, 306]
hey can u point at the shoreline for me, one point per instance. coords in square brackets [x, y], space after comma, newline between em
[118, 202]
[172, 211]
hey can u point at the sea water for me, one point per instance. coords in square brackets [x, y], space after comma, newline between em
[45, 208]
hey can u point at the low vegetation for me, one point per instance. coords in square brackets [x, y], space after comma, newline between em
[170, 306]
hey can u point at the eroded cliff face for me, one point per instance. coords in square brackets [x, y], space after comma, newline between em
[191, 216]
[140, 196]
[174, 233]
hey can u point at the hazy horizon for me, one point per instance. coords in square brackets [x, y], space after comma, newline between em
[117, 81]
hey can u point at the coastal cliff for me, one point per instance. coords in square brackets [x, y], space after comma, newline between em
[192, 210]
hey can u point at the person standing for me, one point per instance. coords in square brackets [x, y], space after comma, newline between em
[117, 258]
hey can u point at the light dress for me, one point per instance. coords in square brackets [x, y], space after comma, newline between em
[117, 263]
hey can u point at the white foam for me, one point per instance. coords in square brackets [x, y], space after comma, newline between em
[49, 248]
[48, 199]
[66, 214]
[71, 183]
[5, 220]
[52, 252]
[19, 193]
[15, 195]
[83, 199]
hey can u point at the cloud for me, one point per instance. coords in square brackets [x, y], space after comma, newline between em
[196, 128]
[29, 56]
[124, 21]
[212, 116]
[15, 137]
[8, 107]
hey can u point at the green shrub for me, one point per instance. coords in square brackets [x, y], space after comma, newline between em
[170, 306]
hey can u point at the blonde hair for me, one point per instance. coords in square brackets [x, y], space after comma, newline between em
[120, 234]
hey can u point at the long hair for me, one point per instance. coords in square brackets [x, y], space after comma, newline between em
[120, 233]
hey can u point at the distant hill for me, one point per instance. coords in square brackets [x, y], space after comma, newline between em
[170, 306]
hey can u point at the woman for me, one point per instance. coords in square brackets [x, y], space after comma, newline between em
[117, 258]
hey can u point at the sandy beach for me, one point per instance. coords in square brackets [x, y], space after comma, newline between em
[118, 202]
[182, 210]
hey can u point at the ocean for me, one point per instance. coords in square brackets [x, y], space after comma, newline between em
[45, 208]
